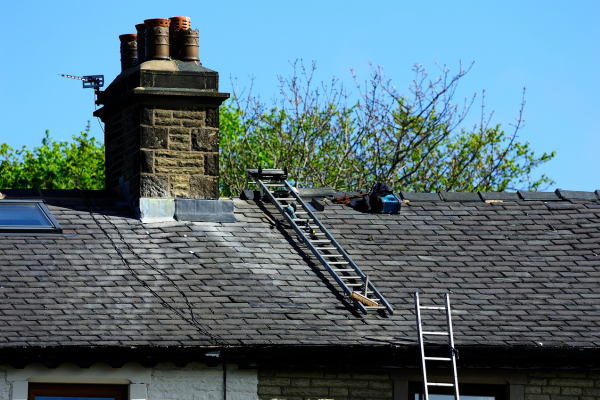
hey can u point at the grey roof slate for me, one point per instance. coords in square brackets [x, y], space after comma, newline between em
[575, 195]
[459, 196]
[412, 196]
[519, 273]
[540, 196]
[504, 196]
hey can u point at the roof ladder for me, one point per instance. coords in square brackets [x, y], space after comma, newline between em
[453, 351]
[273, 184]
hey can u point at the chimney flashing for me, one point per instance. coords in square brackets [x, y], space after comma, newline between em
[152, 210]
[204, 210]
[156, 210]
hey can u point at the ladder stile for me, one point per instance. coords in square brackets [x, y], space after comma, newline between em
[451, 344]
[423, 368]
[453, 351]
[339, 248]
[308, 228]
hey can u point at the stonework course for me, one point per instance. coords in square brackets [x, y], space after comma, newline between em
[563, 385]
[185, 149]
[177, 155]
[309, 385]
[121, 139]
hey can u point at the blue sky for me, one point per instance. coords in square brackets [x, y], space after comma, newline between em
[550, 47]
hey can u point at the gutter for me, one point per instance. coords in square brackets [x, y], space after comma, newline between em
[335, 357]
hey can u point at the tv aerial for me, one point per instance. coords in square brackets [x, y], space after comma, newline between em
[89, 81]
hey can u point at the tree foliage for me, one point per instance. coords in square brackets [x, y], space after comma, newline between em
[413, 142]
[54, 165]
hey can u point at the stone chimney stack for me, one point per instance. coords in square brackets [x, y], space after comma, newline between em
[162, 132]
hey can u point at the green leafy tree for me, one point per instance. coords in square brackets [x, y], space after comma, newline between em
[54, 165]
[413, 142]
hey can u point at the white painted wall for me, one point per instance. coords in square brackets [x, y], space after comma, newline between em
[4, 385]
[197, 381]
[164, 382]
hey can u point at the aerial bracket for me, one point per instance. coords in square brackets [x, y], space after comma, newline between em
[89, 81]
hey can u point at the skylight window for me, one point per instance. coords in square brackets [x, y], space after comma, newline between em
[27, 216]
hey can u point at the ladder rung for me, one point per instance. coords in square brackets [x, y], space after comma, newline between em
[438, 358]
[354, 284]
[272, 184]
[299, 219]
[340, 262]
[343, 270]
[432, 308]
[326, 248]
[320, 241]
[350, 277]
[435, 333]
[440, 384]
[284, 198]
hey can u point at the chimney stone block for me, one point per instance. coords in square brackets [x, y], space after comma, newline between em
[163, 114]
[205, 140]
[154, 138]
[192, 123]
[211, 164]
[154, 186]
[212, 117]
[147, 116]
[203, 187]
[147, 161]
[166, 122]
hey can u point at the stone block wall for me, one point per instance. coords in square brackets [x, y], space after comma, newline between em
[563, 385]
[180, 153]
[305, 385]
[164, 152]
[122, 154]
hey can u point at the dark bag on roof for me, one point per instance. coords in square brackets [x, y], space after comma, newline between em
[373, 202]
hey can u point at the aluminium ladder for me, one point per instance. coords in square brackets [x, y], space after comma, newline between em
[453, 351]
[316, 237]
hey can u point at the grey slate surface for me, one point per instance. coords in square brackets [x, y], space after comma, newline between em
[540, 196]
[504, 196]
[519, 273]
[458, 196]
[575, 195]
[412, 196]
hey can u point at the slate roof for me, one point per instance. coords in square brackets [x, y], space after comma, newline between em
[520, 272]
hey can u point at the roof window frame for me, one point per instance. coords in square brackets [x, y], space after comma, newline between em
[55, 229]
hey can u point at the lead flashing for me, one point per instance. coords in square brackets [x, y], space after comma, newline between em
[156, 210]
[204, 210]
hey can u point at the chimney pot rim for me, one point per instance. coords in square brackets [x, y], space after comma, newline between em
[126, 37]
[157, 22]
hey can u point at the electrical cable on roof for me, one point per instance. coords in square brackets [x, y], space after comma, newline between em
[98, 118]
[215, 339]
